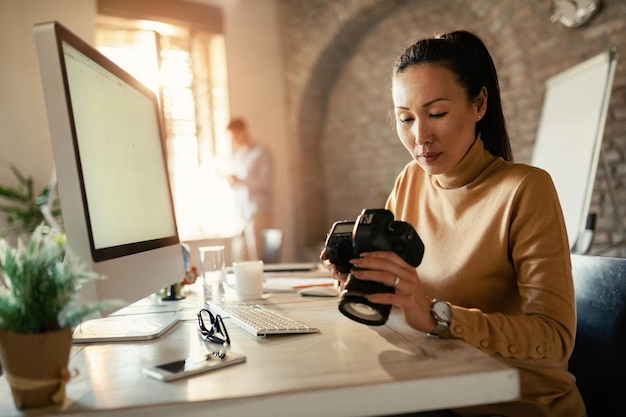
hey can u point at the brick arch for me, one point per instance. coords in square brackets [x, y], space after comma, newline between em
[312, 113]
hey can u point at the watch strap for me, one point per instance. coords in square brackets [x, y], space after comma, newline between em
[441, 328]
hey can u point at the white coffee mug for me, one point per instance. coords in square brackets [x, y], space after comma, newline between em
[248, 279]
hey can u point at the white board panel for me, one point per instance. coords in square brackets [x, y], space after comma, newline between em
[569, 138]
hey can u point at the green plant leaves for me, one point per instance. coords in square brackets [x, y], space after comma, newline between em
[21, 205]
[42, 284]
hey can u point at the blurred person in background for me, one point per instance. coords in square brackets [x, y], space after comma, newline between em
[252, 182]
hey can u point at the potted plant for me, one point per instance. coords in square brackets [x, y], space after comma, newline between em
[23, 207]
[38, 310]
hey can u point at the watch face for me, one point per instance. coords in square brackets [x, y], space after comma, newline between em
[574, 13]
[442, 310]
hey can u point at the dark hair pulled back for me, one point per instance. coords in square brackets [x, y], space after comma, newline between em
[467, 57]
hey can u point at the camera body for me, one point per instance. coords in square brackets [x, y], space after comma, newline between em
[373, 230]
[339, 249]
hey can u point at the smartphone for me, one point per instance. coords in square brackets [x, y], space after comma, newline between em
[194, 365]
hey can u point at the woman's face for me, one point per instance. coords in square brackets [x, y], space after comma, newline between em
[434, 119]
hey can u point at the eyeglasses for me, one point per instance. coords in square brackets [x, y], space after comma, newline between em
[217, 333]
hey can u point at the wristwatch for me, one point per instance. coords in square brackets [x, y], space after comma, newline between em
[442, 313]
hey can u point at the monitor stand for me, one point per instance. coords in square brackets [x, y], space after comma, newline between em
[173, 294]
[124, 328]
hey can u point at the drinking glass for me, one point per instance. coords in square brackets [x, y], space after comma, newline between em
[213, 270]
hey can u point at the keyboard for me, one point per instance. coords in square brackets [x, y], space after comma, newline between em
[290, 267]
[286, 267]
[260, 321]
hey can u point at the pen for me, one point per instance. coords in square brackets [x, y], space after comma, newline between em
[326, 284]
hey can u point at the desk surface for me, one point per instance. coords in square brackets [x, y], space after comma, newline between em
[346, 369]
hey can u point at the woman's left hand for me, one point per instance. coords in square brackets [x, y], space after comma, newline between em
[390, 269]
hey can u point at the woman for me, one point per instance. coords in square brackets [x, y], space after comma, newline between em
[496, 271]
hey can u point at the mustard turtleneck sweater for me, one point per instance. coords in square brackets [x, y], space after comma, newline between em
[496, 248]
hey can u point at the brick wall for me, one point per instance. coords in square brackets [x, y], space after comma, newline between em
[337, 60]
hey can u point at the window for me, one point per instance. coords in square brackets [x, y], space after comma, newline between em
[186, 68]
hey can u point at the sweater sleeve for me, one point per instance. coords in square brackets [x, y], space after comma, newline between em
[539, 251]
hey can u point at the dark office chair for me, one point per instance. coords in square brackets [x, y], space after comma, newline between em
[599, 358]
[272, 246]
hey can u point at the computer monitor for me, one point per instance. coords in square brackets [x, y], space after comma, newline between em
[113, 184]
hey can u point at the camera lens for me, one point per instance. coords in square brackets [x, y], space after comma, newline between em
[358, 308]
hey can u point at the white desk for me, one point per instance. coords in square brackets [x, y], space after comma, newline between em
[347, 369]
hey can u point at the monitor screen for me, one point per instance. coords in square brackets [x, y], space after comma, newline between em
[108, 145]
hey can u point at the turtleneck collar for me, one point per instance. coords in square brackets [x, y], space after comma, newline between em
[472, 164]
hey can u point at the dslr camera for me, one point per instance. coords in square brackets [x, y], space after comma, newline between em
[373, 230]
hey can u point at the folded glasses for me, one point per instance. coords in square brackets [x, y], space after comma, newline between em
[217, 332]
